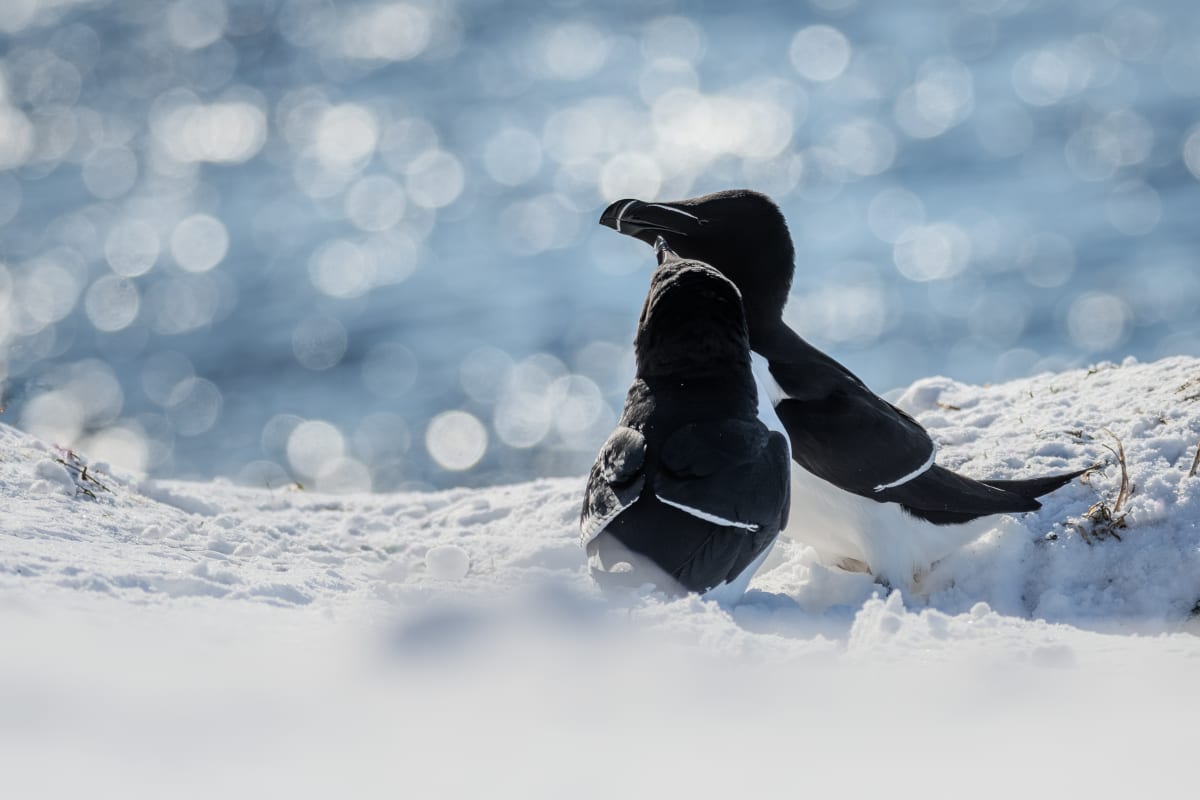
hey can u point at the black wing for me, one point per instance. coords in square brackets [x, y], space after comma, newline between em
[733, 470]
[946, 498]
[844, 433]
[615, 482]
[730, 478]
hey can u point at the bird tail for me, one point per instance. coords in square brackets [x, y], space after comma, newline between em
[946, 498]
[1036, 487]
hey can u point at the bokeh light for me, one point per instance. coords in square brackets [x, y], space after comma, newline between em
[112, 303]
[199, 242]
[434, 179]
[194, 24]
[1191, 151]
[110, 172]
[131, 247]
[932, 252]
[314, 446]
[279, 240]
[193, 406]
[375, 203]
[456, 440]
[319, 342]
[820, 52]
[1098, 321]
[341, 268]
[513, 156]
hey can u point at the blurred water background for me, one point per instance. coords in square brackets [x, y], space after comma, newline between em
[355, 244]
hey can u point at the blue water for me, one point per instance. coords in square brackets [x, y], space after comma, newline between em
[278, 241]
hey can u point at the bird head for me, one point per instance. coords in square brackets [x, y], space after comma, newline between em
[740, 233]
[692, 322]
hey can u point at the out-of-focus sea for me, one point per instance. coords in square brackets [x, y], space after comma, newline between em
[354, 245]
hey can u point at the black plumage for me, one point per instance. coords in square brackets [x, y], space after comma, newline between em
[840, 430]
[690, 490]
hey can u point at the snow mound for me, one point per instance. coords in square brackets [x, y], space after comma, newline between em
[302, 639]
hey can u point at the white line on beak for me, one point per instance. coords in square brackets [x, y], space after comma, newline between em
[621, 213]
[676, 210]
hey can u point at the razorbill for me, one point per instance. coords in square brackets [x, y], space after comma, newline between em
[691, 489]
[867, 491]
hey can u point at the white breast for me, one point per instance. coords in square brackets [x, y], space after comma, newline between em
[844, 527]
[769, 393]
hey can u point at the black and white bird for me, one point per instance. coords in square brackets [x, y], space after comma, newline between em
[691, 490]
[866, 493]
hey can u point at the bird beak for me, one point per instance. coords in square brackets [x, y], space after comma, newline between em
[648, 221]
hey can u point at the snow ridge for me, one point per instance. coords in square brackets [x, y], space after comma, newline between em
[135, 538]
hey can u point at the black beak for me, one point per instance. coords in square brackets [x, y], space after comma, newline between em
[648, 221]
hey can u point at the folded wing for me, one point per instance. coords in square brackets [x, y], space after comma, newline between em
[857, 441]
[732, 471]
[847, 435]
[615, 481]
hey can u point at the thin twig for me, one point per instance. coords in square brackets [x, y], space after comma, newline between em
[79, 473]
[1100, 521]
[1195, 462]
[1122, 495]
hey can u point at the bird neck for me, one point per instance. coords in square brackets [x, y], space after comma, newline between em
[698, 375]
[693, 351]
[801, 369]
[774, 340]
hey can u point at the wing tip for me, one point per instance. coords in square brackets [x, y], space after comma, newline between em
[1032, 488]
[1021, 505]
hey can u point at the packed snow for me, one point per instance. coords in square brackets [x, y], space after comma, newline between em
[179, 639]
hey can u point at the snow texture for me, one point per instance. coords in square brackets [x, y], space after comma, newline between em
[201, 639]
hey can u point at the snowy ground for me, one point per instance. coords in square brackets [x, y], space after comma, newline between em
[187, 639]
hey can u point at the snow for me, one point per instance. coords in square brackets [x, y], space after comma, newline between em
[191, 639]
[447, 562]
